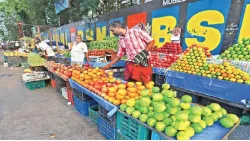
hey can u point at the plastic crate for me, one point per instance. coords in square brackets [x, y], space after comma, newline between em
[195, 98]
[160, 79]
[35, 85]
[130, 129]
[156, 136]
[229, 108]
[83, 107]
[81, 95]
[24, 59]
[14, 61]
[60, 81]
[70, 96]
[107, 129]
[103, 113]
[25, 65]
[93, 114]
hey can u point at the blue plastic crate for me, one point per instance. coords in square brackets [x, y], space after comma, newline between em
[107, 129]
[156, 136]
[83, 106]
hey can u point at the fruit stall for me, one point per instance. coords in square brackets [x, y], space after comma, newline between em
[193, 96]
[129, 110]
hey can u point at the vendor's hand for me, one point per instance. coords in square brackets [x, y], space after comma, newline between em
[106, 67]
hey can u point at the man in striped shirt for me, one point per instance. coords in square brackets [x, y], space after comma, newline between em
[135, 44]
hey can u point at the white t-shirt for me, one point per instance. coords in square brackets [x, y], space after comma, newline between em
[77, 52]
[45, 47]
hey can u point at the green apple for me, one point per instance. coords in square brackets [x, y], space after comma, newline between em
[247, 56]
[227, 51]
[241, 45]
[240, 56]
[237, 49]
[239, 52]
[232, 52]
[235, 45]
[234, 55]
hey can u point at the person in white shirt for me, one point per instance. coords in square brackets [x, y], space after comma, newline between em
[79, 52]
[45, 47]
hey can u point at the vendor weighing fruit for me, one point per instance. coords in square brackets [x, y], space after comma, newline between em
[136, 45]
[79, 52]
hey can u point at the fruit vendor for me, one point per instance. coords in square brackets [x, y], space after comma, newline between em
[136, 45]
[45, 47]
[79, 52]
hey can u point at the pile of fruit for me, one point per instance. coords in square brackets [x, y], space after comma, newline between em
[15, 53]
[168, 48]
[162, 62]
[194, 62]
[239, 51]
[177, 118]
[63, 71]
[107, 43]
[100, 52]
[204, 49]
[35, 60]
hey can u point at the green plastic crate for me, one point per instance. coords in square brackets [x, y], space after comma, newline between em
[25, 65]
[119, 136]
[35, 85]
[130, 128]
[93, 114]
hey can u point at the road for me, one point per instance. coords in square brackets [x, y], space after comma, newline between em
[44, 114]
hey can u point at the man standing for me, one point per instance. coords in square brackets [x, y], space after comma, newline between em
[79, 51]
[136, 45]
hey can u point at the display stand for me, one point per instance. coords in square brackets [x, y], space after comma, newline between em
[108, 106]
[227, 92]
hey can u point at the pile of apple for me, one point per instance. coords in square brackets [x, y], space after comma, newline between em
[204, 49]
[168, 48]
[239, 51]
[60, 69]
[162, 62]
[194, 62]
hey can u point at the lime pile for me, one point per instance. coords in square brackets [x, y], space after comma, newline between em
[35, 60]
[239, 51]
[175, 117]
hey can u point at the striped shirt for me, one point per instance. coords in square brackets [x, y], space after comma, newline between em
[133, 43]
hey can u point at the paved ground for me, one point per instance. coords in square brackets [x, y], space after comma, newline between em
[37, 114]
[44, 114]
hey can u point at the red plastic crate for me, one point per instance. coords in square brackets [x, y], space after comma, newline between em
[53, 83]
[70, 96]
